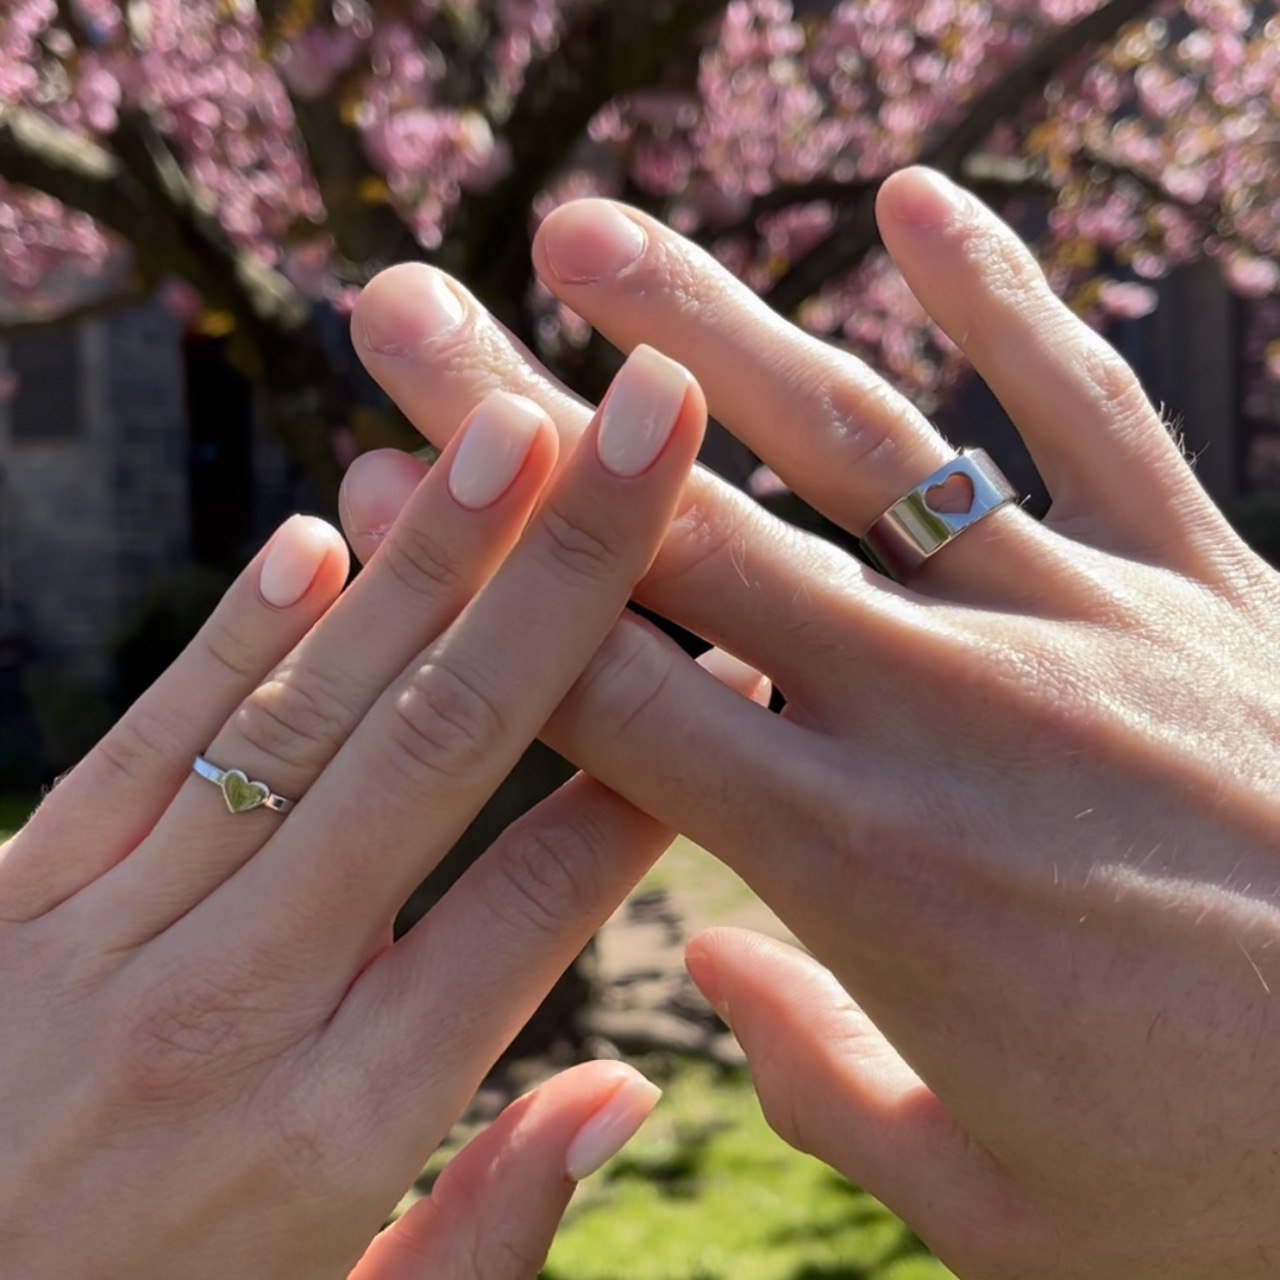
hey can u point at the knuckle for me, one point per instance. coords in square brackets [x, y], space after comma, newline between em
[420, 562]
[1112, 382]
[573, 548]
[627, 677]
[230, 651]
[545, 878]
[444, 724]
[143, 743]
[295, 720]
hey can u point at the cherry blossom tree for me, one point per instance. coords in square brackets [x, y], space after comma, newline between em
[258, 161]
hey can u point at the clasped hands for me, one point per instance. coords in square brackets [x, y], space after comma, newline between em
[1024, 812]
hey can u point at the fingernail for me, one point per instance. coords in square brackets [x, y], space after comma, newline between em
[375, 490]
[640, 412]
[611, 1128]
[592, 240]
[731, 671]
[293, 559]
[494, 446]
[707, 980]
[928, 201]
[409, 307]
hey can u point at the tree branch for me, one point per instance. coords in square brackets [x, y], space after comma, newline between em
[367, 231]
[609, 49]
[36, 153]
[133, 293]
[855, 233]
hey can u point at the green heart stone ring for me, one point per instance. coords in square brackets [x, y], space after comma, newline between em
[240, 793]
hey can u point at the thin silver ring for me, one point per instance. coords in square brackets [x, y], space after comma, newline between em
[933, 513]
[240, 793]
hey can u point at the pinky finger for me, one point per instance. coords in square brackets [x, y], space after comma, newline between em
[108, 803]
[494, 1211]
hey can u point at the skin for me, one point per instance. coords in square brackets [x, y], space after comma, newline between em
[213, 1060]
[1024, 812]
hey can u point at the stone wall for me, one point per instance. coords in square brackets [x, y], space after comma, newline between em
[91, 511]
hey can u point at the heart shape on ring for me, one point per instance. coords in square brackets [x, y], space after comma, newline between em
[242, 795]
[953, 497]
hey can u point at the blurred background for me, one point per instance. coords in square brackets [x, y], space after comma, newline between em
[192, 192]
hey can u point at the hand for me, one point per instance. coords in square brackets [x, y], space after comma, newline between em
[213, 1061]
[1026, 811]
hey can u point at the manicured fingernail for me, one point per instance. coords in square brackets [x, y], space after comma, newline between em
[592, 240]
[928, 201]
[611, 1128]
[494, 445]
[707, 980]
[293, 559]
[640, 412]
[407, 308]
[731, 671]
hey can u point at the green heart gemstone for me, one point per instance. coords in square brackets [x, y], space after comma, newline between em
[242, 795]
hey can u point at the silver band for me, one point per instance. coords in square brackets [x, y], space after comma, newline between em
[937, 510]
[240, 793]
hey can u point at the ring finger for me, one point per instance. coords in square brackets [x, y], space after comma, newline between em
[457, 528]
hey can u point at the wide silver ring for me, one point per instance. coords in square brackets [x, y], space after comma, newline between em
[239, 791]
[939, 509]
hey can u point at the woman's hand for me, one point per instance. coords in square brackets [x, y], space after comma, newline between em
[213, 1061]
[1025, 810]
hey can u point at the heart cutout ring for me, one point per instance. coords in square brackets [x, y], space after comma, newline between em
[941, 507]
[239, 792]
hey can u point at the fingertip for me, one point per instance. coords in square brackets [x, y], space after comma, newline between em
[374, 491]
[305, 555]
[403, 308]
[921, 200]
[588, 241]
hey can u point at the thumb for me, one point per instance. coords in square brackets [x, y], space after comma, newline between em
[494, 1211]
[831, 1085]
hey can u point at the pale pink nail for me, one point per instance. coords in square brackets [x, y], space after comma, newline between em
[640, 412]
[611, 1128]
[494, 446]
[294, 558]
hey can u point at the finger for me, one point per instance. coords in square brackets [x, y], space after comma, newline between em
[458, 525]
[484, 958]
[727, 570]
[1116, 476]
[831, 1085]
[101, 810]
[442, 738]
[493, 1212]
[822, 420]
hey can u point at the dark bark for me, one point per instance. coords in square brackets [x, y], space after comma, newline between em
[855, 234]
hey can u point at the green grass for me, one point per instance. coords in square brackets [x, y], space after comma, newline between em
[14, 811]
[707, 1192]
